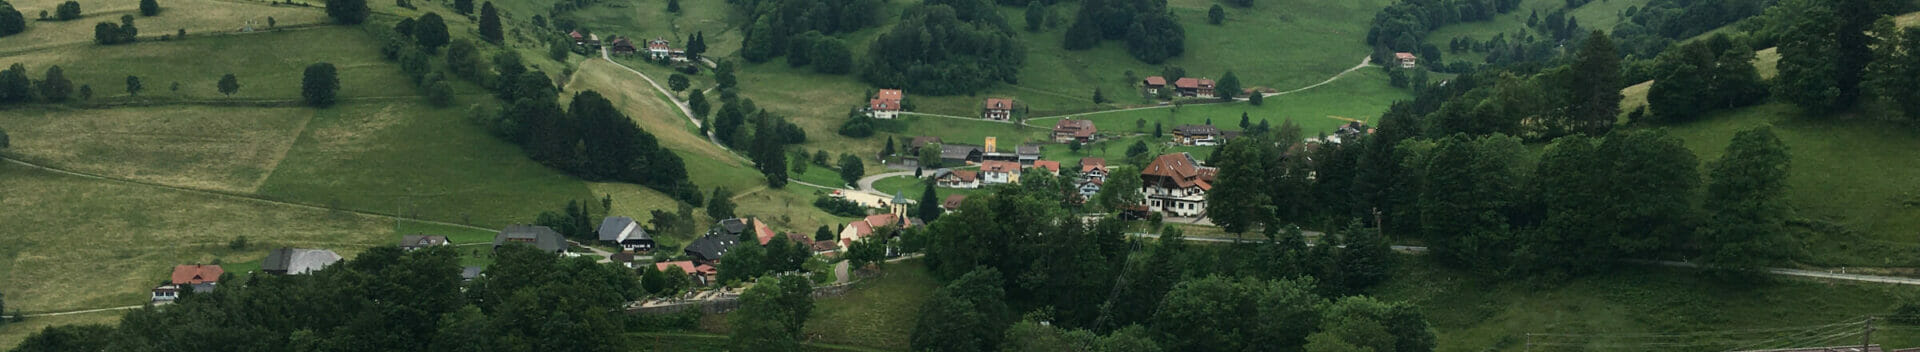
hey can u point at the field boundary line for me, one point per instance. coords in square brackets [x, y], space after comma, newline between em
[274, 165]
[71, 312]
[225, 194]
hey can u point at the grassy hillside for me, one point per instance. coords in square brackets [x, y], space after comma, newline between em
[1688, 310]
[229, 149]
[82, 243]
[1601, 15]
[1359, 96]
[198, 17]
[268, 65]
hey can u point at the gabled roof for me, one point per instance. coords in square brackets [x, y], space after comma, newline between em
[999, 104]
[196, 274]
[1090, 164]
[1193, 83]
[614, 228]
[420, 241]
[922, 141]
[1156, 81]
[878, 104]
[958, 151]
[1050, 165]
[890, 94]
[1403, 56]
[762, 233]
[1079, 128]
[575, 34]
[541, 237]
[1196, 130]
[963, 175]
[999, 166]
[953, 201]
[1027, 150]
[1181, 169]
[470, 272]
[298, 260]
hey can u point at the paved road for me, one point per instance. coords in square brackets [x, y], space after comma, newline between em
[605, 257]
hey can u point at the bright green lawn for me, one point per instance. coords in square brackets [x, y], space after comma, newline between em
[1473, 314]
[816, 174]
[455, 234]
[1846, 171]
[421, 162]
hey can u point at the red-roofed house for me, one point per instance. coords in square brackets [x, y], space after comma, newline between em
[998, 109]
[1194, 87]
[957, 179]
[700, 273]
[658, 49]
[1154, 84]
[577, 38]
[867, 227]
[1406, 60]
[995, 172]
[953, 202]
[1176, 184]
[1069, 130]
[762, 232]
[1052, 167]
[197, 278]
[1093, 169]
[885, 104]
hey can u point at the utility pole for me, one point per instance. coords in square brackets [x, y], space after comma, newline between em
[1866, 338]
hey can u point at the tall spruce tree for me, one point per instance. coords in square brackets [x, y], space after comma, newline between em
[1594, 88]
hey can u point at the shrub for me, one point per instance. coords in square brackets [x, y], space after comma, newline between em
[840, 207]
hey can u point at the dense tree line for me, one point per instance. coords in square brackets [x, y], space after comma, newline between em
[348, 11]
[795, 27]
[1649, 29]
[108, 33]
[1825, 49]
[1151, 32]
[1701, 76]
[1091, 287]
[11, 21]
[384, 299]
[772, 314]
[1404, 25]
[763, 135]
[945, 47]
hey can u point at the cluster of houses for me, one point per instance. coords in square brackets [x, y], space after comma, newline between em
[1187, 87]
[657, 49]
[198, 278]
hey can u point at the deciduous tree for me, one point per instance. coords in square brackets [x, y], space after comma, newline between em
[348, 11]
[229, 84]
[1746, 209]
[319, 84]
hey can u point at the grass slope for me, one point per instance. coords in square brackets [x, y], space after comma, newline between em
[1601, 15]
[417, 161]
[1471, 314]
[13, 333]
[229, 149]
[268, 65]
[198, 17]
[1361, 95]
[82, 243]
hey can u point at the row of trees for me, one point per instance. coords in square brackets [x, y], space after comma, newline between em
[1826, 51]
[1151, 32]
[1581, 97]
[17, 88]
[945, 47]
[1404, 25]
[384, 299]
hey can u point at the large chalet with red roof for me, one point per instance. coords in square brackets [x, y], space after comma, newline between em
[1069, 130]
[997, 109]
[885, 104]
[1193, 87]
[195, 278]
[1177, 185]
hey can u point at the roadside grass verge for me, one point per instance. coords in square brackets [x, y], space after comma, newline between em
[229, 149]
[417, 161]
[138, 233]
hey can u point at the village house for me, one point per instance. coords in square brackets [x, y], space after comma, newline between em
[1176, 184]
[1093, 169]
[963, 179]
[953, 202]
[623, 46]
[1406, 60]
[577, 38]
[1089, 187]
[412, 242]
[1154, 84]
[723, 236]
[1194, 87]
[1196, 135]
[195, 278]
[1051, 166]
[657, 49]
[471, 272]
[994, 172]
[540, 237]
[884, 225]
[1027, 154]
[701, 274]
[885, 104]
[624, 232]
[961, 154]
[296, 261]
[1069, 130]
[998, 109]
